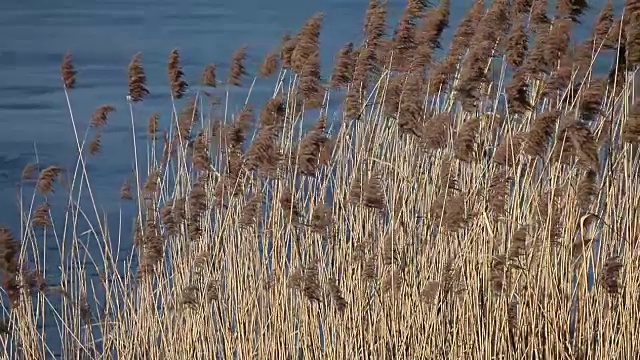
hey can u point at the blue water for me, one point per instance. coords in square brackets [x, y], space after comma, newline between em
[103, 36]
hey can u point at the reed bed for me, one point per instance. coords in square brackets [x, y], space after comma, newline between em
[481, 204]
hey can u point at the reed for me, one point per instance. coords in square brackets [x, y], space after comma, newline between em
[477, 205]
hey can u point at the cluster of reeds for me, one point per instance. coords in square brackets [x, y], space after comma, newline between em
[482, 204]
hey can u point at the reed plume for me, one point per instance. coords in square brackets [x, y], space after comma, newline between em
[309, 151]
[510, 149]
[466, 30]
[592, 98]
[175, 74]
[186, 119]
[610, 279]
[321, 218]
[273, 113]
[47, 178]
[286, 52]
[99, 116]
[269, 65]
[307, 44]
[404, 41]
[290, 207]
[151, 185]
[587, 190]
[200, 157]
[558, 42]
[336, 295]
[603, 25]
[437, 132]
[517, 44]
[370, 193]
[153, 125]
[575, 141]
[309, 85]
[29, 172]
[68, 71]
[137, 79]
[234, 134]
[375, 27]
[539, 18]
[9, 264]
[252, 212]
[573, 9]
[631, 128]
[41, 216]
[499, 193]
[343, 69]
[428, 34]
[517, 91]
[522, 7]
[465, 143]
[208, 77]
[540, 133]
[125, 190]
[311, 286]
[95, 145]
[632, 32]
[237, 69]
[264, 153]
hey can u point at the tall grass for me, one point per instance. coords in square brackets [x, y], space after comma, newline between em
[480, 205]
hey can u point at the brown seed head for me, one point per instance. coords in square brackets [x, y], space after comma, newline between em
[152, 125]
[375, 23]
[343, 70]
[270, 64]
[208, 77]
[68, 72]
[46, 179]
[517, 44]
[137, 79]
[125, 190]
[286, 52]
[307, 42]
[99, 116]
[41, 216]
[95, 145]
[29, 172]
[237, 69]
[175, 75]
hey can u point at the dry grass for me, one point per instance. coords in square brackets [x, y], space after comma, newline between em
[481, 205]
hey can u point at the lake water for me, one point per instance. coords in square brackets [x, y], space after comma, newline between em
[103, 36]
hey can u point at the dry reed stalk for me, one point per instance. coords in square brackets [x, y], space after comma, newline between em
[461, 247]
